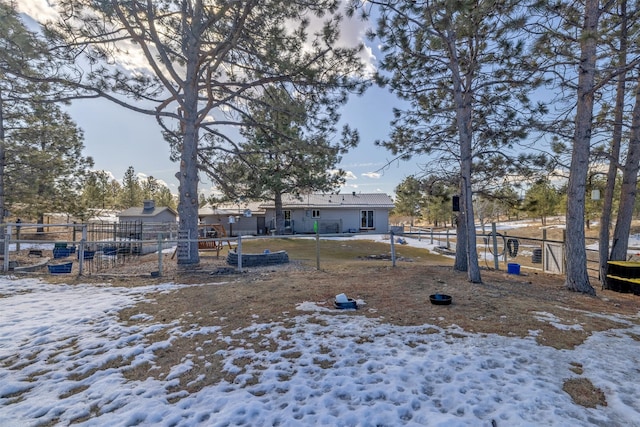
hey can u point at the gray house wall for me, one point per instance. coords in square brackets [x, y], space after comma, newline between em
[338, 213]
[333, 220]
[244, 226]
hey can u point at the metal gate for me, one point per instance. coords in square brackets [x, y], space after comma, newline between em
[553, 260]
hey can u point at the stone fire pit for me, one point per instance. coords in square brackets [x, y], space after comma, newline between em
[257, 260]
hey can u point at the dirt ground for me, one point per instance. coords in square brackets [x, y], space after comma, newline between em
[505, 304]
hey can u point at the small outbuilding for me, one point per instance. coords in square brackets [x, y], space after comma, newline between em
[149, 212]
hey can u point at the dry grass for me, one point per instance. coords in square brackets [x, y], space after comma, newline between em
[503, 304]
[584, 393]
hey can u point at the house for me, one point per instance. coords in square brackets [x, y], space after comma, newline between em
[244, 219]
[149, 212]
[333, 213]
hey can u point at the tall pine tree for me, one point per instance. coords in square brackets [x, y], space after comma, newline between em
[202, 61]
[289, 148]
[464, 71]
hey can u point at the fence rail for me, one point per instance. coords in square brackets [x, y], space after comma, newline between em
[510, 247]
[106, 245]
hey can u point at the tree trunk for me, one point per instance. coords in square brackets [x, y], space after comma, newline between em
[188, 176]
[577, 275]
[40, 220]
[279, 225]
[463, 116]
[629, 187]
[464, 108]
[460, 263]
[188, 196]
[3, 157]
[473, 272]
[616, 140]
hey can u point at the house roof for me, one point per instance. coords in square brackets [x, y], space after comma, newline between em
[348, 200]
[146, 212]
[231, 209]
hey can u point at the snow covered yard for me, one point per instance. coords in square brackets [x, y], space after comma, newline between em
[66, 357]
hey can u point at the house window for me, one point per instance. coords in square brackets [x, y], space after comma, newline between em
[315, 213]
[287, 218]
[366, 219]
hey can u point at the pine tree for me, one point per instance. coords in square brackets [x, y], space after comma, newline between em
[41, 163]
[100, 191]
[20, 53]
[47, 169]
[131, 193]
[150, 187]
[164, 197]
[409, 199]
[542, 200]
[463, 69]
[573, 37]
[203, 60]
[287, 150]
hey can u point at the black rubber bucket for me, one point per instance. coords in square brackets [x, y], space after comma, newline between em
[440, 299]
[536, 257]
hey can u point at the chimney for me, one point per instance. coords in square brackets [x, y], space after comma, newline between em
[149, 205]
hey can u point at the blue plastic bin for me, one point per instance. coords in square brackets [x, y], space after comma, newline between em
[513, 268]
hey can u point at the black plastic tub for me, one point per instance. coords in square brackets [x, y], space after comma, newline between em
[349, 304]
[440, 299]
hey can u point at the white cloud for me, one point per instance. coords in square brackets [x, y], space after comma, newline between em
[350, 175]
[349, 187]
[372, 175]
[162, 182]
[109, 174]
[130, 57]
[40, 10]
[347, 174]
[352, 33]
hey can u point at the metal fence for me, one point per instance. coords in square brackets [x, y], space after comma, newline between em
[498, 249]
[104, 246]
[92, 246]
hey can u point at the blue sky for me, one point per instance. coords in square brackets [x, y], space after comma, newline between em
[117, 138]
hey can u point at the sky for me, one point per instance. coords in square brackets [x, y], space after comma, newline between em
[56, 342]
[117, 138]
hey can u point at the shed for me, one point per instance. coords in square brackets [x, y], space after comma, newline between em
[149, 212]
[334, 213]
